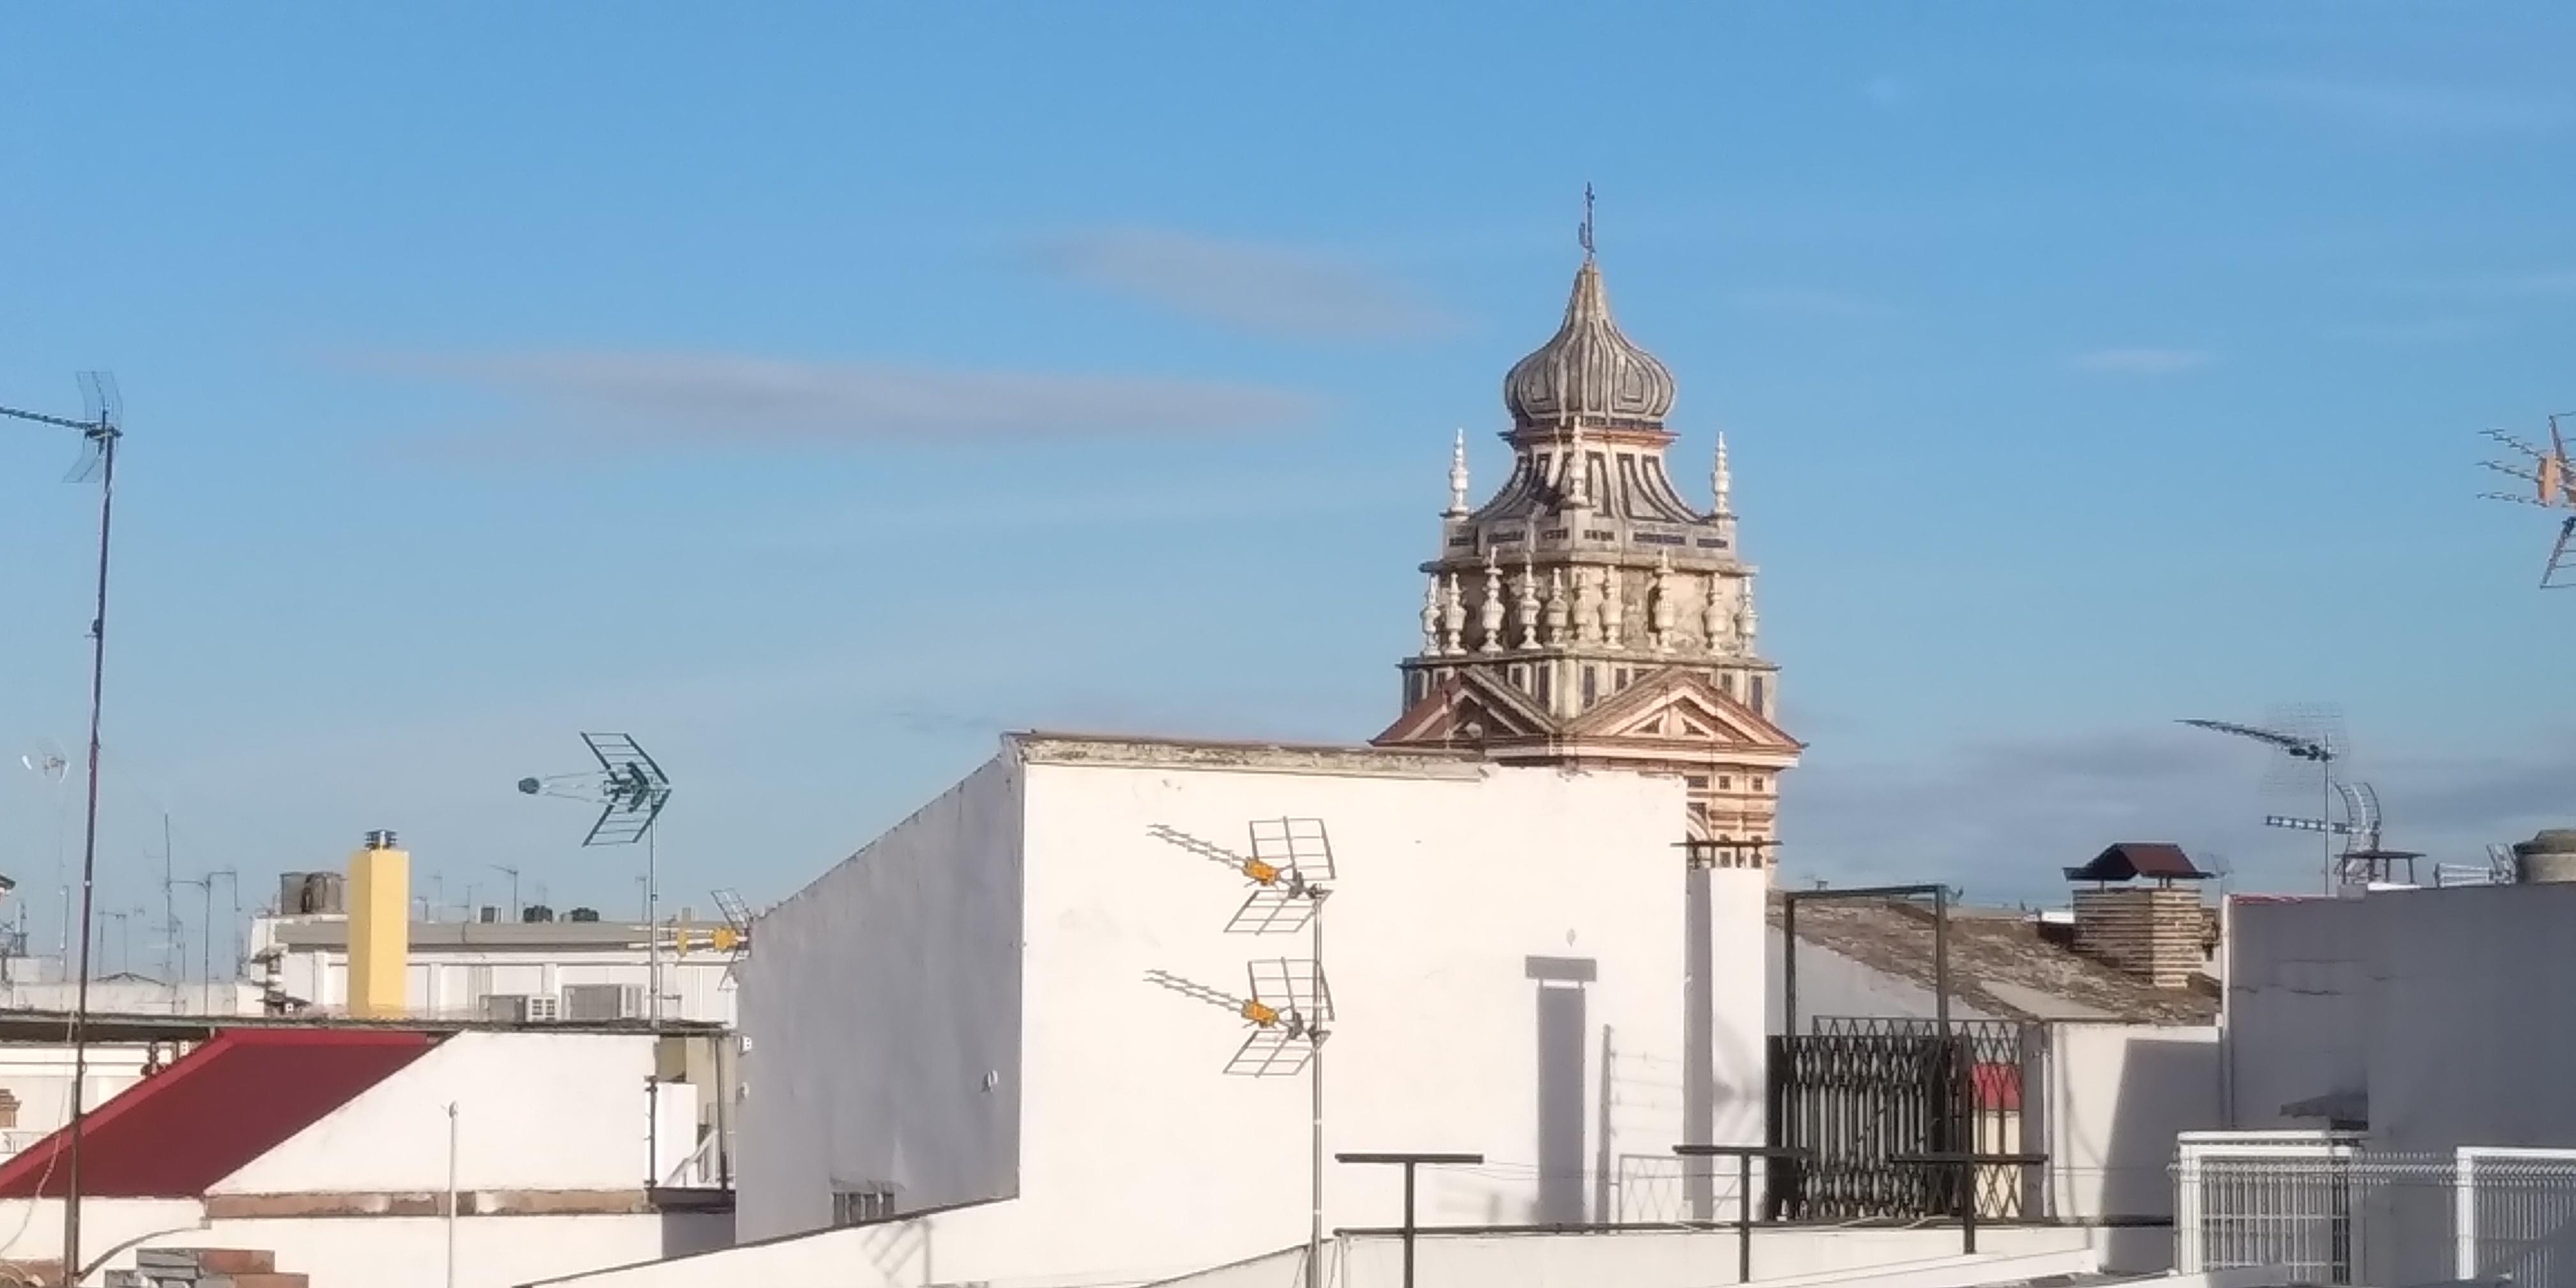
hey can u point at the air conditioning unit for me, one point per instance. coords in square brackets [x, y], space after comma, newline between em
[519, 1008]
[603, 1001]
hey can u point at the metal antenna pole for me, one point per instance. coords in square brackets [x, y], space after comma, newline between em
[1315, 1214]
[171, 963]
[105, 433]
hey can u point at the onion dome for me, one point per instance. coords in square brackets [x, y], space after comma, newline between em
[1588, 370]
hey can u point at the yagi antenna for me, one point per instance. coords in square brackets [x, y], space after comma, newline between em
[628, 787]
[734, 939]
[2553, 487]
[1288, 1010]
[1291, 871]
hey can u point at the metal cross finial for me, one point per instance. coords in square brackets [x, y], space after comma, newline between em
[1584, 233]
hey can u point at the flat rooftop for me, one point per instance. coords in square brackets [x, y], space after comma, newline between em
[1043, 747]
[49, 1028]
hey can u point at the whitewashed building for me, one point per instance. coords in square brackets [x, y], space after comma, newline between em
[508, 971]
[957, 1021]
[334, 1150]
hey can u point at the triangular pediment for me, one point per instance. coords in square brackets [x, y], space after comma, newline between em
[1467, 707]
[1681, 706]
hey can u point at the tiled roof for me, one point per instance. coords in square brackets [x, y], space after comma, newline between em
[2001, 964]
[213, 1112]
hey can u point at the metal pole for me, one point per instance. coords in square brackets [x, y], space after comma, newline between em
[1744, 1218]
[206, 950]
[451, 1194]
[1315, 1141]
[1789, 966]
[2325, 811]
[1941, 959]
[1408, 1224]
[107, 436]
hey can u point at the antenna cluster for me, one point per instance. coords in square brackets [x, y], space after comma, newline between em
[1289, 1006]
[1289, 1003]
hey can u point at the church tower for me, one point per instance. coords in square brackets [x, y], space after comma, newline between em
[1586, 614]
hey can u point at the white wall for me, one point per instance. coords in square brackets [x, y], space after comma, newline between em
[880, 998]
[2470, 1039]
[32, 1229]
[371, 1252]
[442, 980]
[2296, 1008]
[1832, 984]
[2116, 1095]
[1450, 888]
[41, 1078]
[893, 1257]
[545, 1111]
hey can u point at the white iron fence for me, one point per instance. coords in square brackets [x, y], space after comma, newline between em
[2334, 1212]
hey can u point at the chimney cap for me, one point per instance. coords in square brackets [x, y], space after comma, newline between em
[380, 839]
[2129, 860]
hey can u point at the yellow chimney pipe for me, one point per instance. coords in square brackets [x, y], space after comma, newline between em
[379, 927]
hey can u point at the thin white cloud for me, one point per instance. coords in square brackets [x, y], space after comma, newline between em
[1253, 286]
[716, 398]
[1808, 302]
[2141, 361]
[2418, 108]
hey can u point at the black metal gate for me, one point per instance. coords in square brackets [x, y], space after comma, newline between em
[1857, 1095]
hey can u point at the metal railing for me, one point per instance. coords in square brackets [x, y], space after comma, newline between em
[2331, 1211]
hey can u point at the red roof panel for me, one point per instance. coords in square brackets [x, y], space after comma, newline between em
[216, 1109]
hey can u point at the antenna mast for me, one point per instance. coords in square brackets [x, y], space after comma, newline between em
[630, 790]
[100, 428]
[2321, 747]
[1291, 1002]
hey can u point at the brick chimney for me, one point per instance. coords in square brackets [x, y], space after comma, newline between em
[2154, 933]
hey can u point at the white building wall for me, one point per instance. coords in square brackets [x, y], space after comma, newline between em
[2471, 1029]
[1927, 1258]
[880, 1001]
[362, 1252]
[448, 981]
[883, 1011]
[2115, 1097]
[541, 1111]
[1832, 984]
[2297, 1006]
[41, 1079]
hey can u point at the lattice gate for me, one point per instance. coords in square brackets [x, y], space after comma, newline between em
[1858, 1094]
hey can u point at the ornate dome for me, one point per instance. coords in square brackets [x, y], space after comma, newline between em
[1588, 370]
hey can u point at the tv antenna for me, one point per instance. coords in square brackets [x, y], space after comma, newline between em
[2553, 487]
[1291, 871]
[2362, 860]
[628, 787]
[733, 938]
[1288, 1008]
[2310, 740]
[630, 790]
[101, 425]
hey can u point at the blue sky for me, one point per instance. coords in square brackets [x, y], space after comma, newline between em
[816, 391]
